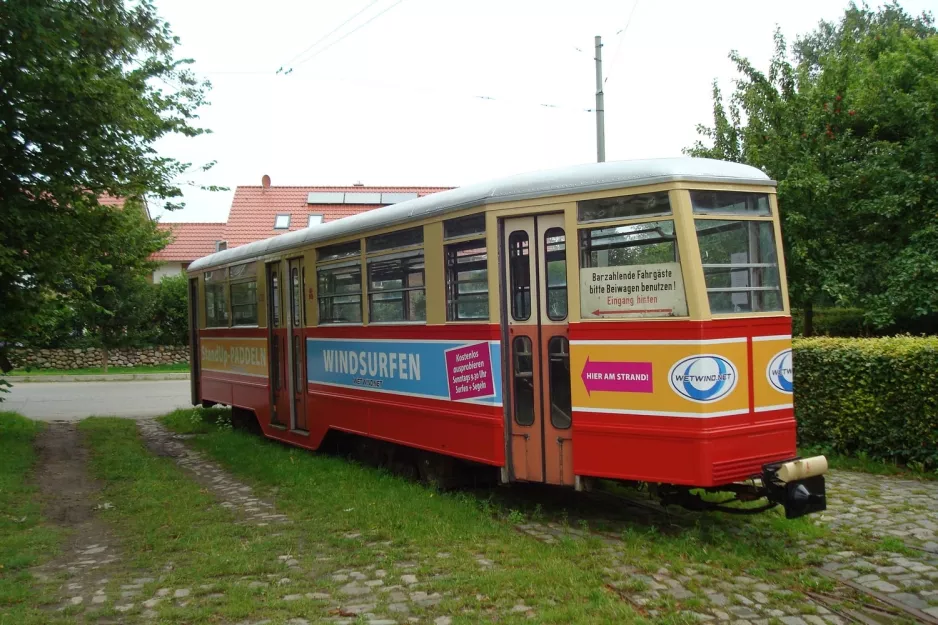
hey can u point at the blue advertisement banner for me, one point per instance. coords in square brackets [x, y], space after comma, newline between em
[416, 368]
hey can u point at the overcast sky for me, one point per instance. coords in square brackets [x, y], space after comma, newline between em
[448, 92]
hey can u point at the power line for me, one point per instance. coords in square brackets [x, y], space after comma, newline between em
[625, 29]
[354, 30]
[326, 36]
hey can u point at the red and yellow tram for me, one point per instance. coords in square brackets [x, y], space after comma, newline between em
[623, 320]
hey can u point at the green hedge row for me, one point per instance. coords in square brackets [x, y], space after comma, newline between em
[874, 396]
[853, 322]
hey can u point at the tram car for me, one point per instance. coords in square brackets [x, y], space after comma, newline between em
[620, 321]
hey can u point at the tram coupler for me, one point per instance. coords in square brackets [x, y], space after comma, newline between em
[797, 484]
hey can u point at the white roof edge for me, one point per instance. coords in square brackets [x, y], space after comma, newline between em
[564, 181]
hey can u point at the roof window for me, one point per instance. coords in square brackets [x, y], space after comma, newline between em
[282, 222]
[314, 220]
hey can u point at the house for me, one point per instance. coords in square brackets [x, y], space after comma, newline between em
[263, 211]
[189, 241]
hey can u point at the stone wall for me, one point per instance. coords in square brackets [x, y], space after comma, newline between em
[91, 357]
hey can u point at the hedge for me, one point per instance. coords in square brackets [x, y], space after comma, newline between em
[853, 322]
[876, 397]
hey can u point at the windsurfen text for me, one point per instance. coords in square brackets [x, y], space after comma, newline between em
[399, 365]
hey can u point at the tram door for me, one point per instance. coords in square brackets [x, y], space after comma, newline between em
[297, 344]
[538, 350]
[276, 341]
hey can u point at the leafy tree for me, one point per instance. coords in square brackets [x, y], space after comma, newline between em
[115, 300]
[170, 316]
[847, 122]
[86, 89]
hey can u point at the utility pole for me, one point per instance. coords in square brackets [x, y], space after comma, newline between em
[600, 112]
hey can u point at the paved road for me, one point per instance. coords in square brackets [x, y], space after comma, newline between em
[77, 400]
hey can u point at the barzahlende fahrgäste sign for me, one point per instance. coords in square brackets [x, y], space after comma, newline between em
[630, 291]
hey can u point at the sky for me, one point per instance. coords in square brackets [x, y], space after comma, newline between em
[450, 92]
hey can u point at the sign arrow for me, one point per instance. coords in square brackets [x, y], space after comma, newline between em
[617, 377]
[597, 313]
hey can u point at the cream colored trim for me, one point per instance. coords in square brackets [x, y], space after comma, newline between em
[780, 252]
[689, 253]
[492, 272]
[434, 274]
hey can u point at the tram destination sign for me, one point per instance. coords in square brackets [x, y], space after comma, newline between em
[630, 291]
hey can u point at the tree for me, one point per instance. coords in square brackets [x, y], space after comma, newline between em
[115, 300]
[847, 123]
[171, 311]
[86, 89]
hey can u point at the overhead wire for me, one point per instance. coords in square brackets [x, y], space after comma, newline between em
[622, 33]
[349, 33]
[324, 37]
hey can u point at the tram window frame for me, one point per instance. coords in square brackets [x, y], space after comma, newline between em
[326, 297]
[339, 251]
[216, 298]
[243, 283]
[519, 276]
[761, 266]
[469, 225]
[397, 239]
[619, 207]
[558, 367]
[459, 259]
[407, 268]
[552, 256]
[735, 203]
[587, 248]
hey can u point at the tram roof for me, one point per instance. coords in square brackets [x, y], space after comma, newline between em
[546, 183]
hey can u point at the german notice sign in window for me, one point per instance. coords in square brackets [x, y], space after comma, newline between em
[626, 292]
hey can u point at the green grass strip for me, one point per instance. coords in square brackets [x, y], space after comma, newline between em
[24, 540]
[175, 368]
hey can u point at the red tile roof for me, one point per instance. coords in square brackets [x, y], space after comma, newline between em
[190, 241]
[254, 209]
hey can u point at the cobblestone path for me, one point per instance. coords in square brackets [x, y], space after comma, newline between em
[860, 506]
[315, 583]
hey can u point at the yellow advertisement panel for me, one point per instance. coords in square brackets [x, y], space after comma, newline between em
[772, 372]
[247, 356]
[708, 378]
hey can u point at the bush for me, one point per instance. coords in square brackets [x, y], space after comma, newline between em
[855, 322]
[171, 311]
[876, 397]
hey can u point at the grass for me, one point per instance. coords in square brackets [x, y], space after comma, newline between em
[174, 368]
[341, 498]
[24, 540]
[866, 464]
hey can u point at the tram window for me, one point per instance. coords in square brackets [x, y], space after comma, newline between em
[464, 226]
[339, 250]
[730, 203]
[467, 283]
[394, 240]
[275, 299]
[396, 289]
[296, 297]
[340, 294]
[523, 373]
[558, 354]
[519, 270]
[624, 207]
[243, 294]
[244, 303]
[636, 244]
[740, 265]
[555, 267]
[216, 298]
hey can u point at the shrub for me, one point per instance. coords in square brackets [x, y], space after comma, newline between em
[855, 322]
[874, 396]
